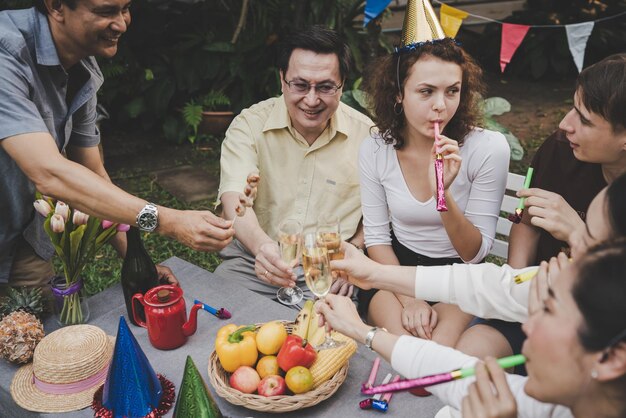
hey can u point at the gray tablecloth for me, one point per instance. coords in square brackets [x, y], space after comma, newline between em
[247, 307]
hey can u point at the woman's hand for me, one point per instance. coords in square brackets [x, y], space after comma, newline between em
[355, 267]
[451, 162]
[482, 401]
[544, 280]
[339, 313]
[419, 318]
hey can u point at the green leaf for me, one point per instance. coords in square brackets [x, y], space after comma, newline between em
[496, 106]
[192, 115]
[75, 247]
[361, 98]
[135, 107]
[148, 74]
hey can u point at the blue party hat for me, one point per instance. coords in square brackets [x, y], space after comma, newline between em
[132, 388]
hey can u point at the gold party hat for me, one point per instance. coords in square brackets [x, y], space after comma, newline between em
[420, 24]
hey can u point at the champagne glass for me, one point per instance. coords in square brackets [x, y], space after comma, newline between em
[289, 240]
[329, 235]
[318, 277]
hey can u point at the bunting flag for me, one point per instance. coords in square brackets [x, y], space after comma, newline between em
[373, 8]
[577, 37]
[512, 37]
[451, 19]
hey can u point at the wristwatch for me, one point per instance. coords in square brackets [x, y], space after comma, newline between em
[370, 336]
[148, 218]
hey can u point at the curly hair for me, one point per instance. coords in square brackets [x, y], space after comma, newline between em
[381, 85]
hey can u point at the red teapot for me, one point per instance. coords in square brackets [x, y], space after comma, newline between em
[166, 316]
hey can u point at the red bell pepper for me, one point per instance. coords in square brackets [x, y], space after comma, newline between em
[296, 352]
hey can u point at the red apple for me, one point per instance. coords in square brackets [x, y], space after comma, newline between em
[245, 379]
[272, 385]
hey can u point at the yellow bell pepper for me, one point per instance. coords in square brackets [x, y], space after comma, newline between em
[236, 346]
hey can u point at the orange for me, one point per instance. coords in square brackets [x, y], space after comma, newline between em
[267, 366]
[299, 379]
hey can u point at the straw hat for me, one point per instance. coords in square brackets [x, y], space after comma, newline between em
[69, 365]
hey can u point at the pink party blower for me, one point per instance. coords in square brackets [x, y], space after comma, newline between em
[441, 198]
[435, 379]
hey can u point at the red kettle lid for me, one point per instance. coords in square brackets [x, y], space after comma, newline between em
[164, 295]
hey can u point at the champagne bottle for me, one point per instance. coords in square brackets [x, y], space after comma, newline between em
[139, 274]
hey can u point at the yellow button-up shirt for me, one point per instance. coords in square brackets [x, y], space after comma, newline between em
[298, 180]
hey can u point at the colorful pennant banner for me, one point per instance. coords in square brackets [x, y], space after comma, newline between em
[512, 37]
[452, 18]
[577, 37]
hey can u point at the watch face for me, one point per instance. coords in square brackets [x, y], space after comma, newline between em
[148, 221]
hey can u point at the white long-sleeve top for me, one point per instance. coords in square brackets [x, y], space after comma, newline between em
[414, 357]
[478, 190]
[485, 290]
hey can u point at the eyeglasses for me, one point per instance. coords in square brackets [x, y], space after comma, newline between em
[304, 87]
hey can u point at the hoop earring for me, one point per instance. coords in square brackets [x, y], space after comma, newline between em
[395, 108]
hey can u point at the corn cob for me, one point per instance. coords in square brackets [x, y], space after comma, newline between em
[328, 362]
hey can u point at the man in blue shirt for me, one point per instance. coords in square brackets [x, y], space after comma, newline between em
[49, 81]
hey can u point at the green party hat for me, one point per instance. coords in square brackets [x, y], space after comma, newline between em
[194, 399]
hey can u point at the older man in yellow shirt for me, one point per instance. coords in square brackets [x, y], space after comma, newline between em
[305, 146]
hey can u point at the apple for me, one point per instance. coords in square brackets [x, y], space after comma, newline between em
[272, 385]
[245, 379]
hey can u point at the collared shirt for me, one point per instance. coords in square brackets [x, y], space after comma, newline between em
[33, 99]
[298, 180]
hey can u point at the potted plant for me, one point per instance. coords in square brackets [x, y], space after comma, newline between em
[208, 115]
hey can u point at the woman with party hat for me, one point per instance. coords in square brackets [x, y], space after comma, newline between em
[429, 84]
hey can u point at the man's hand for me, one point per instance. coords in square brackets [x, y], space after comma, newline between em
[419, 318]
[551, 212]
[199, 230]
[355, 267]
[270, 268]
[490, 395]
[166, 275]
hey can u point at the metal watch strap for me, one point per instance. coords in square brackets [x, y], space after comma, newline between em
[370, 336]
[149, 210]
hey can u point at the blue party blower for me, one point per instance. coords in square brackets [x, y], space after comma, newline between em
[221, 313]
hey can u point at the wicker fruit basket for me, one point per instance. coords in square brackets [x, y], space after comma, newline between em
[277, 404]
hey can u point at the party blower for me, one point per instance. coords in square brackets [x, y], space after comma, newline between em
[516, 217]
[435, 379]
[441, 197]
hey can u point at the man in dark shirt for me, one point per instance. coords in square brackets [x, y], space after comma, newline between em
[571, 167]
[574, 164]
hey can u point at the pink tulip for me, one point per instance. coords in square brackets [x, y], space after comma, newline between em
[106, 224]
[79, 218]
[57, 224]
[42, 207]
[123, 228]
[62, 209]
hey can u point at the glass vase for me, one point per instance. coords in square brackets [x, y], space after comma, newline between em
[70, 302]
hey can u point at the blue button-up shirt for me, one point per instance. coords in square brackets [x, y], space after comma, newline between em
[33, 87]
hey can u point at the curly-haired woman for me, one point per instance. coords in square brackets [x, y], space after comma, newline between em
[437, 82]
